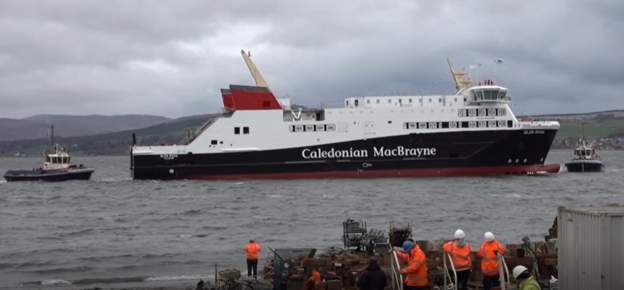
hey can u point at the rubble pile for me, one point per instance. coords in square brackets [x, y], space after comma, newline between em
[291, 268]
[338, 268]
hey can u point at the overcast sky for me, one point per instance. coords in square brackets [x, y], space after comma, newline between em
[171, 57]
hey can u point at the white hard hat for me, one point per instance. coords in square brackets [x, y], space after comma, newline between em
[518, 270]
[489, 236]
[459, 234]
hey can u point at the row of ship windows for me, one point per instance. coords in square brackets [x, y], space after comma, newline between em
[483, 112]
[412, 125]
[312, 128]
[400, 101]
[237, 130]
[464, 124]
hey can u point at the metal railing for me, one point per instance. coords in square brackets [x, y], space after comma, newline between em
[503, 272]
[193, 134]
[447, 275]
[395, 268]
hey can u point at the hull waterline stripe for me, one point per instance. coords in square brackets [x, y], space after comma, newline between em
[429, 172]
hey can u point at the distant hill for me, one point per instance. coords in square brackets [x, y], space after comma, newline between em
[36, 127]
[595, 124]
[608, 127]
[14, 129]
[115, 143]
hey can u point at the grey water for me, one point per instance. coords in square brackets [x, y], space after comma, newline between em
[114, 229]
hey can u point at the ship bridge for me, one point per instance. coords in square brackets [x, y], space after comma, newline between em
[486, 92]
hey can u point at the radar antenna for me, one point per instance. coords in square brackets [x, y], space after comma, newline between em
[461, 78]
[255, 73]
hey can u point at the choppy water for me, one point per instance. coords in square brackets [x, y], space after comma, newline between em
[113, 228]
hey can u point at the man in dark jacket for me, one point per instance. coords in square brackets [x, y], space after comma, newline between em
[373, 278]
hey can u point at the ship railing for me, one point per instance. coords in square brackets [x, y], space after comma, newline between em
[395, 269]
[448, 280]
[198, 131]
[332, 105]
[537, 123]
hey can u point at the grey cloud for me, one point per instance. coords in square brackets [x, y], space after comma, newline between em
[171, 57]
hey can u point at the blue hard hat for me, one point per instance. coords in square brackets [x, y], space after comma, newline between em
[407, 245]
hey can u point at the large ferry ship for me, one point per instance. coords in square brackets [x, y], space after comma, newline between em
[258, 136]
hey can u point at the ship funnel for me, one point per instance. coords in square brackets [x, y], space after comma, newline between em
[255, 73]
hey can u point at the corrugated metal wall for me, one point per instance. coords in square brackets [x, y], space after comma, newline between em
[591, 248]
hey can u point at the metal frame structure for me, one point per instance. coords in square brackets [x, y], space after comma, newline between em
[395, 267]
[447, 275]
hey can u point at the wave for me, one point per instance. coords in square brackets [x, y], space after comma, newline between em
[188, 236]
[113, 179]
[55, 282]
[180, 277]
[33, 265]
[190, 212]
[49, 282]
[86, 281]
[64, 270]
[36, 253]
[100, 258]
[6, 266]
[214, 228]
[158, 256]
[112, 280]
[116, 280]
[76, 233]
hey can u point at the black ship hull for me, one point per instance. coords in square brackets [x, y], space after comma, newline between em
[48, 175]
[432, 154]
[584, 166]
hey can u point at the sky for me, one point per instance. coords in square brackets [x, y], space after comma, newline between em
[170, 58]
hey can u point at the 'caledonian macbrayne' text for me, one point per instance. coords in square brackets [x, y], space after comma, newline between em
[398, 151]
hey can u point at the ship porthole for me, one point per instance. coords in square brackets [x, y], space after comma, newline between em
[171, 171]
[517, 160]
[509, 161]
[525, 160]
[541, 159]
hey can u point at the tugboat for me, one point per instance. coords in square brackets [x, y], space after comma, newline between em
[56, 167]
[586, 159]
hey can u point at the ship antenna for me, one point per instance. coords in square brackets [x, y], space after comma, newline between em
[255, 73]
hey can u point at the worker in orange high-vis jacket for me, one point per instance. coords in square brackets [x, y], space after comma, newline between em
[252, 250]
[489, 260]
[459, 251]
[416, 270]
[314, 282]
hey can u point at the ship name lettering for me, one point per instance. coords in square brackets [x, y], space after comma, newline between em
[168, 156]
[333, 153]
[533, 132]
[401, 151]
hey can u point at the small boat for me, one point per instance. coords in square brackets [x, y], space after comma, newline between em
[56, 167]
[586, 159]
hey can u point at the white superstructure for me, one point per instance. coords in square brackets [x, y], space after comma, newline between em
[484, 107]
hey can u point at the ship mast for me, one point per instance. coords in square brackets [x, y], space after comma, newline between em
[255, 73]
[460, 78]
[51, 135]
